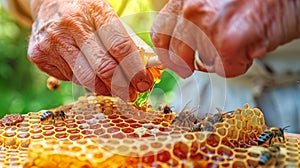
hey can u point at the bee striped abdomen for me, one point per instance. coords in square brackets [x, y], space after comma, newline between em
[46, 115]
[264, 137]
[265, 158]
[271, 152]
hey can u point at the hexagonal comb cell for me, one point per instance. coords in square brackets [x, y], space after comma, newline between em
[98, 131]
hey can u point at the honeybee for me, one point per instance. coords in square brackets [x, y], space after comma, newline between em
[165, 108]
[271, 133]
[218, 117]
[224, 114]
[197, 127]
[272, 152]
[186, 118]
[53, 83]
[207, 123]
[46, 115]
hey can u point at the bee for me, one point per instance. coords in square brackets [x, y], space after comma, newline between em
[197, 127]
[53, 83]
[266, 156]
[165, 108]
[224, 114]
[186, 118]
[272, 133]
[46, 115]
[218, 117]
[207, 123]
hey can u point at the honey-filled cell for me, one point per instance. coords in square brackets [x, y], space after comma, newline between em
[101, 131]
[48, 133]
[9, 140]
[75, 137]
[61, 135]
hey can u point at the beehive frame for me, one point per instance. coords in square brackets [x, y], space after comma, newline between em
[106, 132]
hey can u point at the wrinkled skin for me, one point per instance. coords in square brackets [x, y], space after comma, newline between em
[84, 42]
[228, 34]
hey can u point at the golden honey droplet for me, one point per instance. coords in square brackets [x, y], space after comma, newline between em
[154, 71]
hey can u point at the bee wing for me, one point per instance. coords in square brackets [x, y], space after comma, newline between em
[192, 109]
[187, 106]
[219, 109]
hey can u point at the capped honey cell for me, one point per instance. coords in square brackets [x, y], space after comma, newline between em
[101, 131]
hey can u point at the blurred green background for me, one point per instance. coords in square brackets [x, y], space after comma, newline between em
[23, 86]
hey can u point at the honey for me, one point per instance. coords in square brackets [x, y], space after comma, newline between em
[103, 131]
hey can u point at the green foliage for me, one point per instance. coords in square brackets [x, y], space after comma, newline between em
[22, 85]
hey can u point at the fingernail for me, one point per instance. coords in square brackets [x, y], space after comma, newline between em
[142, 86]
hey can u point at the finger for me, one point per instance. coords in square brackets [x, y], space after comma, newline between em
[47, 60]
[182, 47]
[119, 44]
[182, 57]
[148, 55]
[136, 39]
[86, 75]
[82, 72]
[151, 60]
[92, 65]
[236, 39]
[162, 30]
[105, 67]
[234, 60]
[220, 43]
[201, 14]
[121, 86]
[69, 53]
[207, 52]
[99, 87]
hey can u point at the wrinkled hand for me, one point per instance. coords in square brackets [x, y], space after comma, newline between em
[85, 42]
[228, 34]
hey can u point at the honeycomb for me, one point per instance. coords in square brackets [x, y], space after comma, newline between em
[103, 131]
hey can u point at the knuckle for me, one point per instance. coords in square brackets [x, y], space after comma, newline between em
[36, 55]
[156, 40]
[48, 49]
[191, 6]
[106, 68]
[33, 50]
[121, 47]
[161, 41]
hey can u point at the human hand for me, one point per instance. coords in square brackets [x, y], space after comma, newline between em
[85, 42]
[238, 30]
